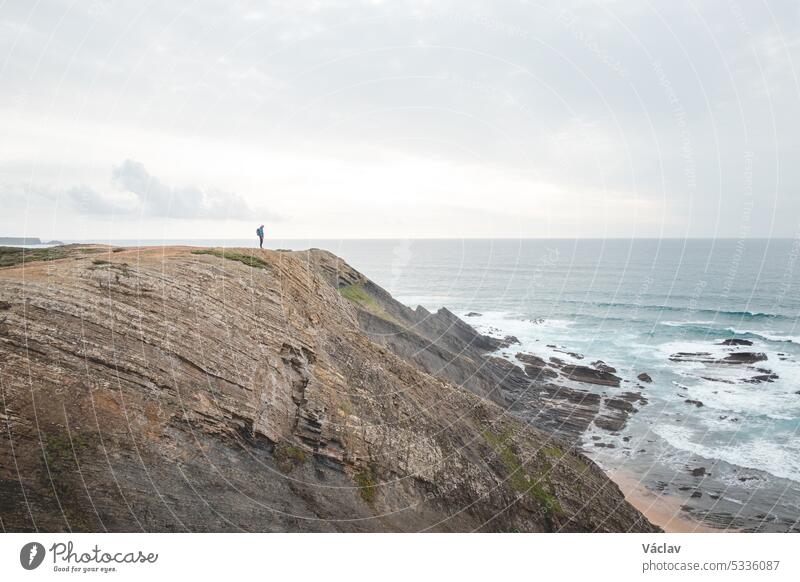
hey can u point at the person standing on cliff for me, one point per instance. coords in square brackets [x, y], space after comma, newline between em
[260, 233]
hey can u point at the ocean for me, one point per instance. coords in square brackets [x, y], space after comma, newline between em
[637, 304]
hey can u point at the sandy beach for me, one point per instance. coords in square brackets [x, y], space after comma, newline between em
[662, 510]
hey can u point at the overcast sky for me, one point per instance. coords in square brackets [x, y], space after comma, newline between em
[399, 119]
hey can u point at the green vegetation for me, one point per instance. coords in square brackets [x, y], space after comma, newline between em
[61, 455]
[366, 482]
[517, 477]
[357, 295]
[553, 452]
[249, 260]
[288, 456]
[10, 256]
[59, 447]
[100, 262]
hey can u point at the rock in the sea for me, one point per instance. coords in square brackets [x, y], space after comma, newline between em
[744, 358]
[704, 357]
[473, 314]
[767, 376]
[732, 358]
[603, 367]
[735, 342]
[644, 377]
[698, 471]
[531, 360]
[588, 375]
[697, 403]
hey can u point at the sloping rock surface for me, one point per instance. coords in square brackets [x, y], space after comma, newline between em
[171, 389]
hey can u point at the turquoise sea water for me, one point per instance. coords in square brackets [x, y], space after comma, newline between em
[632, 304]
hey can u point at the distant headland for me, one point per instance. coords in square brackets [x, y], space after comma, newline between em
[26, 240]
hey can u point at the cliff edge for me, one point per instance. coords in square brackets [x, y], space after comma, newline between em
[174, 389]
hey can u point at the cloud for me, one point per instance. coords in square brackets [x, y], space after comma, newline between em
[188, 202]
[310, 101]
[138, 192]
[88, 201]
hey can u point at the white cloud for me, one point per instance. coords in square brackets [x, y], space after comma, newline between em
[336, 110]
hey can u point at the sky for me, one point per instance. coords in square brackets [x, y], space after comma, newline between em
[407, 119]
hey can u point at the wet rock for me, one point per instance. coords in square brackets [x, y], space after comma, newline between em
[698, 471]
[744, 358]
[586, 374]
[473, 314]
[590, 375]
[644, 377]
[531, 360]
[509, 341]
[735, 342]
[735, 358]
[605, 445]
[720, 380]
[697, 403]
[610, 423]
[536, 367]
[634, 397]
[697, 494]
[761, 378]
[603, 367]
[620, 404]
[540, 373]
[704, 357]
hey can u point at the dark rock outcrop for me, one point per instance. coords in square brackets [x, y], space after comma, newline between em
[744, 358]
[735, 342]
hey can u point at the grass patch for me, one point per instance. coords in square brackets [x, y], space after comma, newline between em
[366, 483]
[357, 295]
[553, 452]
[11, 256]
[100, 262]
[289, 456]
[60, 453]
[59, 448]
[249, 260]
[519, 481]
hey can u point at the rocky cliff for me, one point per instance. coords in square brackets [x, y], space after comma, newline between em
[165, 389]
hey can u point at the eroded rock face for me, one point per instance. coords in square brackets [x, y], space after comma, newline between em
[160, 390]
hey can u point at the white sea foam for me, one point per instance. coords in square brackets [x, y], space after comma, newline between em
[754, 441]
[685, 323]
[746, 399]
[774, 455]
[765, 335]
